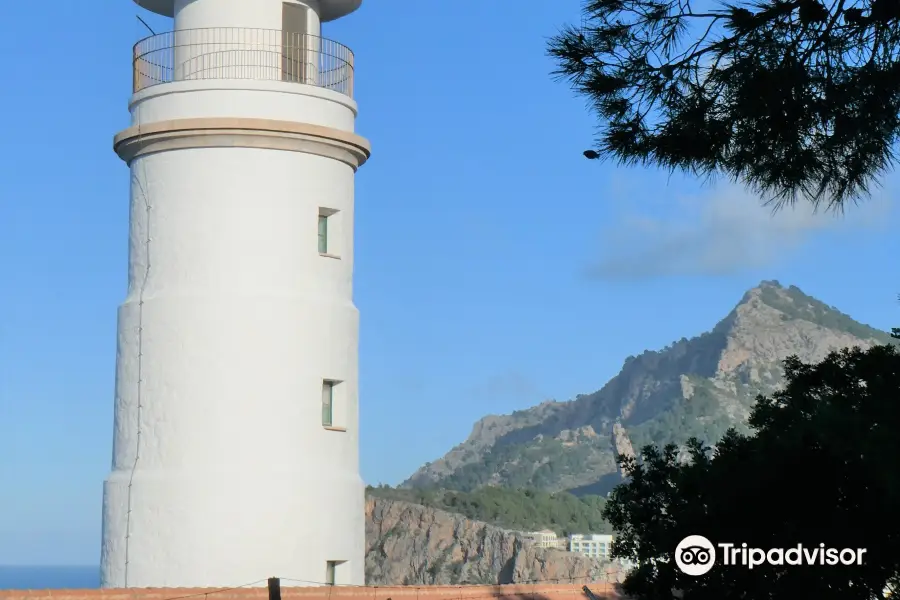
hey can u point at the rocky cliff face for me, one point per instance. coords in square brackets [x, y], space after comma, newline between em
[698, 387]
[408, 544]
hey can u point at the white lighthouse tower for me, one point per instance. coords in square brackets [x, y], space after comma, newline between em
[235, 454]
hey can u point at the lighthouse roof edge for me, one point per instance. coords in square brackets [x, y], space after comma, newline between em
[328, 10]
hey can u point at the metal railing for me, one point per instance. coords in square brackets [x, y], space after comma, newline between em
[240, 53]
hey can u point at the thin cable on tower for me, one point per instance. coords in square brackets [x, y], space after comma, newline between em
[145, 196]
[144, 23]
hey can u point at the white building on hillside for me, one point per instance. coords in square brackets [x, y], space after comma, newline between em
[595, 545]
[544, 538]
[235, 452]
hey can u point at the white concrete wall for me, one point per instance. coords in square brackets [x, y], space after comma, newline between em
[314, 25]
[261, 14]
[223, 473]
[234, 477]
[239, 40]
[277, 100]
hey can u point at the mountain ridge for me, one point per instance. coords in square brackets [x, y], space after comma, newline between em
[699, 386]
[411, 544]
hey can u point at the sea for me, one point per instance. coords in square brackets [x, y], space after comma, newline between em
[49, 578]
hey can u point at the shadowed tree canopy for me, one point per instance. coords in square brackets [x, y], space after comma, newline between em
[822, 465]
[796, 99]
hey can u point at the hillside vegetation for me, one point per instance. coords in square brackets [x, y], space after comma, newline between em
[518, 510]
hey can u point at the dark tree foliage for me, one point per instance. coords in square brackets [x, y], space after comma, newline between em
[797, 99]
[821, 466]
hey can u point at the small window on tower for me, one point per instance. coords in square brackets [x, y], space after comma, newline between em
[328, 232]
[323, 234]
[331, 572]
[334, 405]
[328, 403]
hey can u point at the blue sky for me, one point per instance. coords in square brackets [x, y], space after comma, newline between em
[495, 267]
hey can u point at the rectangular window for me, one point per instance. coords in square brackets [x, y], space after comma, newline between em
[323, 234]
[330, 572]
[327, 403]
[330, 232]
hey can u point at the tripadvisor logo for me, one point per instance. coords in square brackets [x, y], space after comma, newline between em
[696, 555]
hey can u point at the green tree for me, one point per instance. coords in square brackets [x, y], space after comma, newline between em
[797, 99]
[821, 465]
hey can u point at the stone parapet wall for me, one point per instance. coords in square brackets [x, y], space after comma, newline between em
[463, 592]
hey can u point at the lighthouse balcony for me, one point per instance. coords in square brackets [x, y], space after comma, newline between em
[234, 53]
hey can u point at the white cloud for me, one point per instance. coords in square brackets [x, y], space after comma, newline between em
[721, 231]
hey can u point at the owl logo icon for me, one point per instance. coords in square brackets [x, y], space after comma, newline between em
[695, 555]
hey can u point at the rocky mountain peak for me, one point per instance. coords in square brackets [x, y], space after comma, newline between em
[694, 387]
[772, 322]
